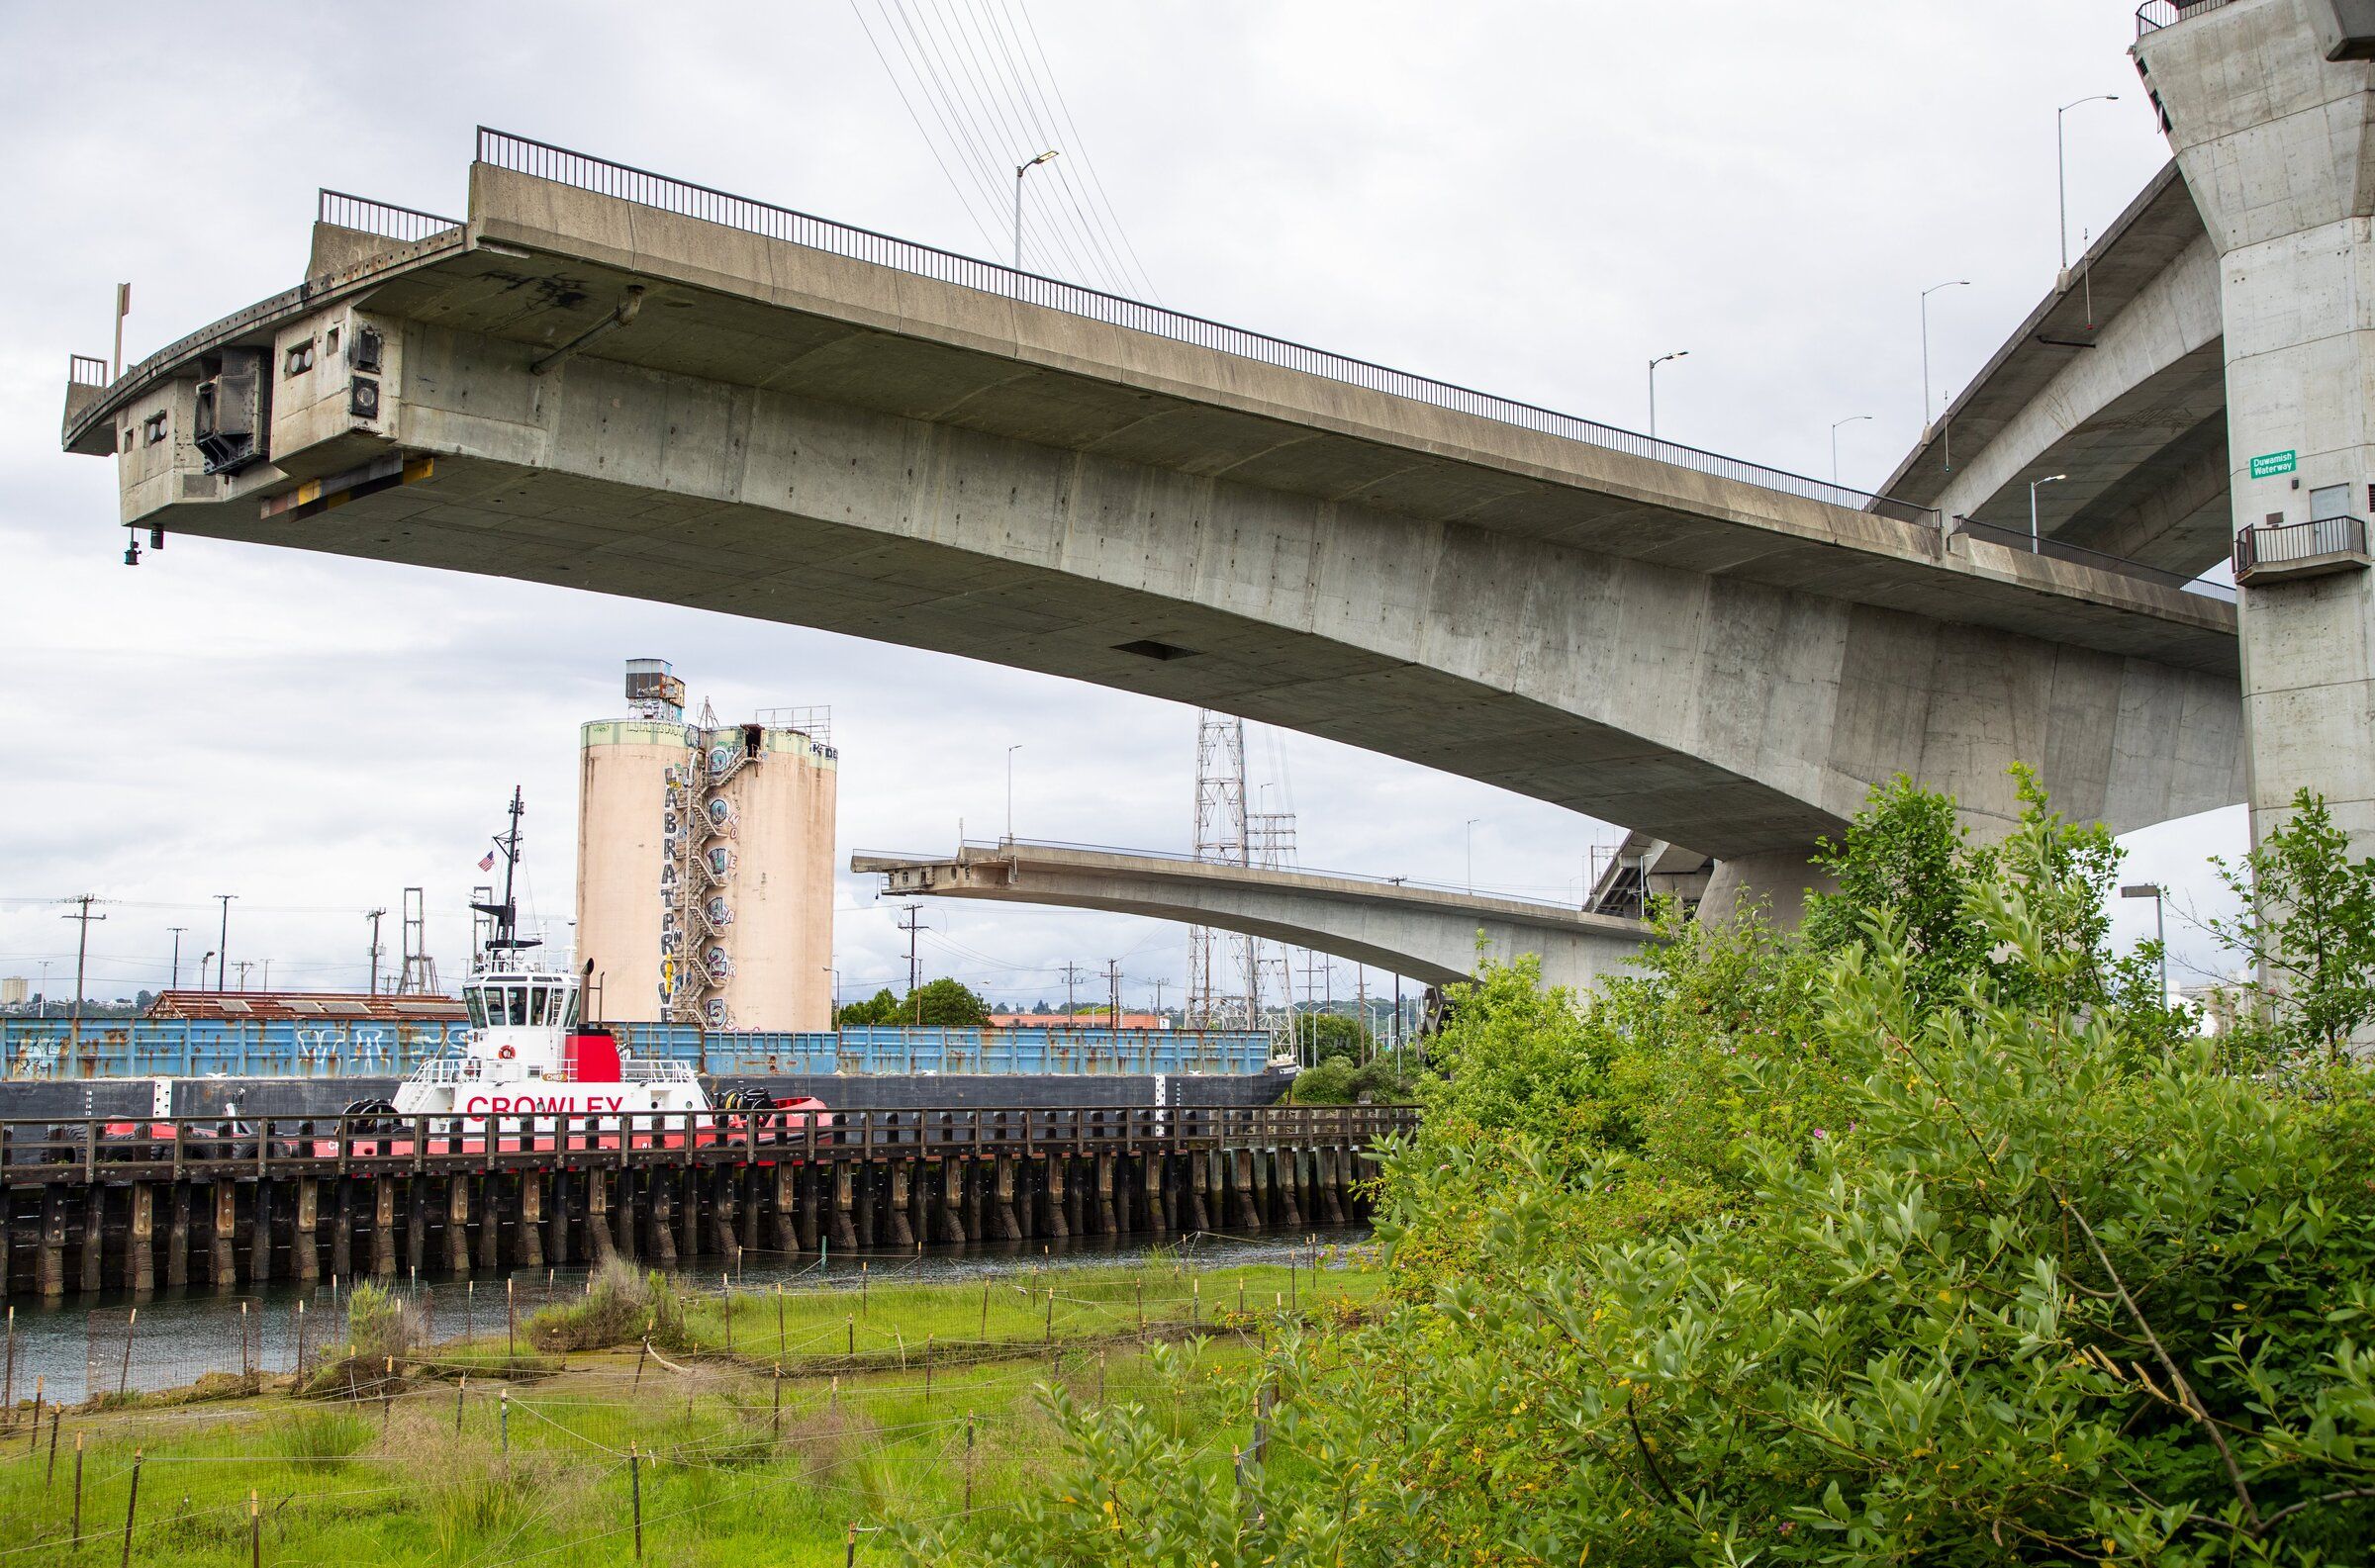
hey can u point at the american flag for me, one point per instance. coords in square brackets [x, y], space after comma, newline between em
[488, 863]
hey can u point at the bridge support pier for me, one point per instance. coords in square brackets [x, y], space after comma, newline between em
[1200, 1190]
[1051, 1188]
[1010, 1228]
[1241, 1190]
[139, 1240]
[383, 1226]
[1286, 1174]
[1331, 1212]
[1107, 1220]
[305, 1248]
[622, 1212]
[685, 1198]
[809, 1222]
[177, 1236]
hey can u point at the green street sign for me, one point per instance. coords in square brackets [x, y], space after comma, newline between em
[2270, 464]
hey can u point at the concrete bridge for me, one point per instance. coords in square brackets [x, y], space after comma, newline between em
[1428, 933]
[611, 380]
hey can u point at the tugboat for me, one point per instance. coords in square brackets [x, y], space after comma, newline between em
[529, 1052]
[533, 1074]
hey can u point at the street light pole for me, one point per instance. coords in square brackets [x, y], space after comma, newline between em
[1679, 354]
[1471, 855]
[2062, 178]
[2160, 937]
[1011, 751]
[222, 943]
[2033, 529]
[1835, 425]
[1957, 283]
[1020, 169]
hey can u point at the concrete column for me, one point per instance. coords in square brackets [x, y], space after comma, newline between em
[260, 1234]
[2276, 140]
[94, 1240]
[902, 1233]
[844, 1225]
[177, 1236]
[342, 1229]
[527, 1242]
[1776, 880]
[49, 1260]
[140, 1240]
[383, 1226]
[1010, 1228]
[304, 1234]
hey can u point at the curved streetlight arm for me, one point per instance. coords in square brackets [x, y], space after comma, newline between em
[2061, 175]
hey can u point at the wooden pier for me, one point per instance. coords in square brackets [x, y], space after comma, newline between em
[93, 1206]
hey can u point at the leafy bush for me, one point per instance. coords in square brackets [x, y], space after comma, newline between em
[619, 1307]
[1922, 1239]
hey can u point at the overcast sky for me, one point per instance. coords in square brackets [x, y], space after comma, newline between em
[1530, 198]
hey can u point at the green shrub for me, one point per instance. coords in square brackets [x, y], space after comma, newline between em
[619, 1307]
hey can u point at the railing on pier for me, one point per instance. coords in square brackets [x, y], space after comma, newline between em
[2153, 15]
[2299, 548]
[210, 1149]
[2081, 555]
[54, 1049]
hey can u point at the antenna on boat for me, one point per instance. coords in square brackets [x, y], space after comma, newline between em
[506, 913]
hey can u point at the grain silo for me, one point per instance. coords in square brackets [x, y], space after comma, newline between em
[704, 863]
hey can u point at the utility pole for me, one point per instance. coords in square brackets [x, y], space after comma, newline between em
[82, 948]
[223, 944]
[374, 916]
[910, 924]
[1158, 1004]
[245, 965]
[177, 931]
[1114, 991]
[1072, 976]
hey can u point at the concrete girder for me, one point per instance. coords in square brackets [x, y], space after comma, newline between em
[1427, 934]
[804, 437]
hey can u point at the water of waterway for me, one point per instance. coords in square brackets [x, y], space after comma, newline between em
[82, 1347]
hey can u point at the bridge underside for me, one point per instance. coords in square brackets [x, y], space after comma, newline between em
[797, 436]
[1423, 934]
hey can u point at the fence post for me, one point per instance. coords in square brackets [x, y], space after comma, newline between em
[255, 1529]
[776, 1420]
[459, 1388]
[969, 1461]
[504, 1419]
[634, 1483]
[124, 1373]
[132, 1505]
[74, 1533]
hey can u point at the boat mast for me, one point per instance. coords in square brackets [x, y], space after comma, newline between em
[506, 913]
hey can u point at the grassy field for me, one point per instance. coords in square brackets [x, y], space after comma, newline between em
[893, 1402]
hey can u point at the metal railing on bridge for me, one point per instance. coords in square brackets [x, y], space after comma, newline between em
[583, 171]
[2081, 555]
[2153, 15]
[345, 210]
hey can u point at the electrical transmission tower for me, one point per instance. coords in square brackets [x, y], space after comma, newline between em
[419, 977]
[1270, 835]
[1223, 986]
